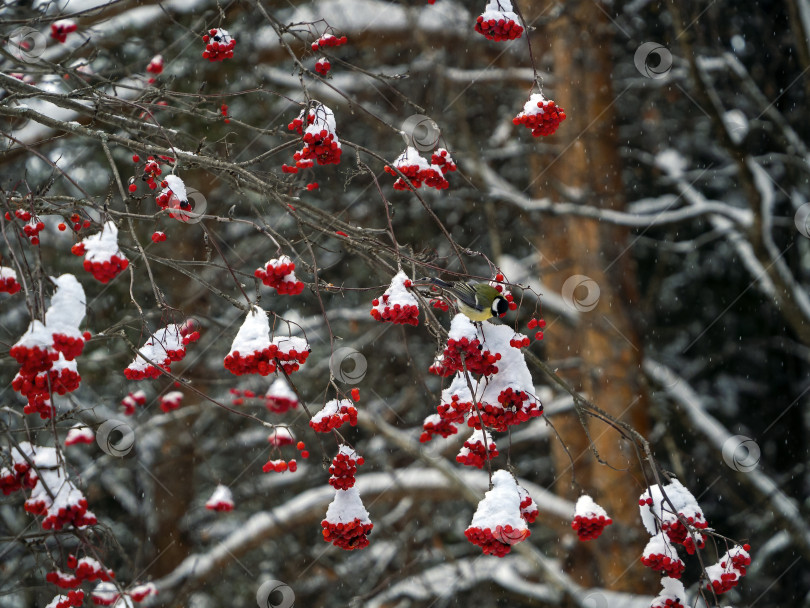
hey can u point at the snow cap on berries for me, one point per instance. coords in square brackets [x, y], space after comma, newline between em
[543, 116]
[673, 594]
[221, 499]
[397, 305]
[347, 523]
[497, 523]
[102, 257]
[498, 22]
[8, 281]
[280, 398]
[589, 518]
[661, 556]
[79, 433]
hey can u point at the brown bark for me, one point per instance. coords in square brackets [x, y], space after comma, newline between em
[604, 344]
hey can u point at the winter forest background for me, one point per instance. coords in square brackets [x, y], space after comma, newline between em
[661, 234]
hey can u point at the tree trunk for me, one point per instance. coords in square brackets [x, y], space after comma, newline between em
[603, 348]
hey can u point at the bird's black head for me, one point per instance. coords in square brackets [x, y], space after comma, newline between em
[499, 306]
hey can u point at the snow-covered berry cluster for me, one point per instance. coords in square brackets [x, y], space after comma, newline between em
[170, 401]
[456, 401]
[102, 257]
[20, 474]
[79, 434]
[657, 514]
[673, 594]
[321, 143]
[477, 449]
[589, 518]
[328, 40]
[661, 556]
[346, 524]
[164, 347]
[333, 414]
[397, 305]
[344, 466]
[279, 273]
[60, 29]
[727, 572]
[54, 496]
[174, 197]
[73, 598]
[280, 437]
[46, 351]
[253, 352]
[280, 398]
[221, 499]
[528, 508]
[436, 425]
[322, 66]
[218, 45]
[418, 170]
[155, 67]
[497, 523]
[498, 22]
[106, 594]
[541, 115]
[138, 398]
[8, 281]
[84, 569]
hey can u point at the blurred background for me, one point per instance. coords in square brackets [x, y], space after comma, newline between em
[663, 227]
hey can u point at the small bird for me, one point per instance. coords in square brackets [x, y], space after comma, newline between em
[479, 301]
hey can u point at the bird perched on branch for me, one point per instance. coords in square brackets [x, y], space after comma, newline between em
[478, 301]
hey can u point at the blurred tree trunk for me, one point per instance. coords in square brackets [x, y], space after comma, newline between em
[603, 351]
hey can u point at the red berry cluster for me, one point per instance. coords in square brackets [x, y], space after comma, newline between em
[32, 230]
[70, 346]
[218, 45]
[440, 304]
[280, 437]
[151, 171]
[399, 314]
[291, 353]
[171, 401]
[496, 542]
[725, 575]
[322, 147]
[85, 569]
[539, 324]
[298, 125]
[259, 362]
[441, 158]
[279, 404]
[322, 66]
[679, 534]
[279, 466]
[528, 508]
[344, 466]
[542, 121]
[75, 514]
[454, 410]
[498, 27]
[477, 360]
[333, 415]
[103, 271]
[77, 221]
[37, 389]
[22, 476]
[516, 407]
[223, 109]
[158, 236]
[435, 425]
[474, 453]
[72, 599]
[279, 274]
[348, 536]
[155, 67]
[519, 341]
[669, 566]
[417, 173]
[328, 40]
[8, 281]
[590, 526]
[60, 29]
